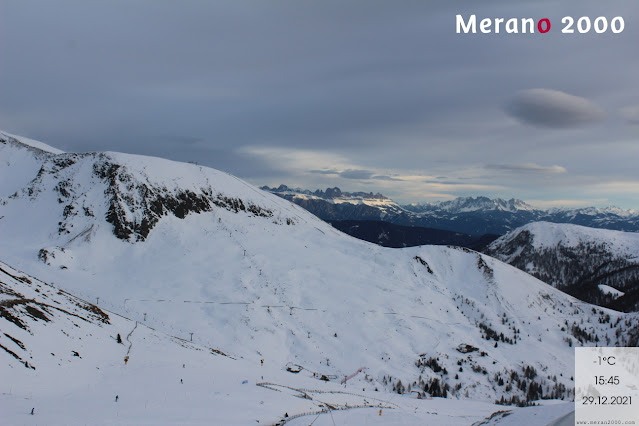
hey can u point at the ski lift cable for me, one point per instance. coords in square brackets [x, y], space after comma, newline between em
[331, 413]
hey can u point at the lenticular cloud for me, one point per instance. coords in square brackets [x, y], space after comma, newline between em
[554, 109]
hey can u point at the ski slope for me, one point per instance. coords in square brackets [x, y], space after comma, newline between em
[76, 369]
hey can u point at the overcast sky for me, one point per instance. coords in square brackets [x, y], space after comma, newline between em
[366, 95]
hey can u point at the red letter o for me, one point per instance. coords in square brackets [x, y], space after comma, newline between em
[540, 28]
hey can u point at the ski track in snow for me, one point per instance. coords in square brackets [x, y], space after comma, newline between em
[128, 351]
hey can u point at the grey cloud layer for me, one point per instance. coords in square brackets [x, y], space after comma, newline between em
[526, 168]
[630, 114]
[356, 174]
[386, 85]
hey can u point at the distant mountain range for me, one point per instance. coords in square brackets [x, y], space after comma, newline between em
[469, 215]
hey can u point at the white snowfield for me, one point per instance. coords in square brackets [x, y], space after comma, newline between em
[187, 249]
[606, 289]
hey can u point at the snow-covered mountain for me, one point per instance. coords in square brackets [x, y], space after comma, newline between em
[469, 215]
[187, 249]
[578, 260]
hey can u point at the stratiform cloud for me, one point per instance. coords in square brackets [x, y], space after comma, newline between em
[630, 114]
[444, 182]
[324, 172]
[554, 109]
[356, 174]
[384, 177]
[530, 168]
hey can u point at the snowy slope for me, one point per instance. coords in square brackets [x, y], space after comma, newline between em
[576, 259]
[606, 289]
[187, 249]
[61, 358]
